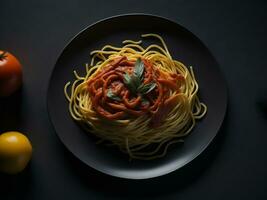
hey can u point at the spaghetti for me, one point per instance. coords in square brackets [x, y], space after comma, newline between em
[138, 99]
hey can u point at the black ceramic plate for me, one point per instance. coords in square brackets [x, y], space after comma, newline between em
[183, 46]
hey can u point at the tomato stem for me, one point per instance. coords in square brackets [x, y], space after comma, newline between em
[3, 55]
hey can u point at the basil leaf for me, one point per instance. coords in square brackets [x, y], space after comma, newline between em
[139, 69]
[145, 89]
[126, 78]
[128, 81]
[136, 82]
[112, 96]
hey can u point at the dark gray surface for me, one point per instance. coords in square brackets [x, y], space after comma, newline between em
[235, 165]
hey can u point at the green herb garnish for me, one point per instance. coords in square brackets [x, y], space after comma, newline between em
[134, 82]
[139, 69]
[145, 89]
[112, 96]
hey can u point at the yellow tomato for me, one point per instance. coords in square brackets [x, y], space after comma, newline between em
[15, 152]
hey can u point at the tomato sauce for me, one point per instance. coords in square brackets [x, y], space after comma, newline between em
[158, 101]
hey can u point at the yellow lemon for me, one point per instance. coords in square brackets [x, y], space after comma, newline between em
[15, 152]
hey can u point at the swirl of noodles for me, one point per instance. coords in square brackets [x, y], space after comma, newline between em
[143, 125]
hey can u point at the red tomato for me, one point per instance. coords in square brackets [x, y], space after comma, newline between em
[10, 74]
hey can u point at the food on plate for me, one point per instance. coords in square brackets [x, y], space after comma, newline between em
[137, 98]
[10, 74]
[15, 152]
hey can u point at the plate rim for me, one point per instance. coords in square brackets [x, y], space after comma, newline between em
[194, 156]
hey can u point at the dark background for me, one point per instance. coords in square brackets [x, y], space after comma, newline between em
[235, 164]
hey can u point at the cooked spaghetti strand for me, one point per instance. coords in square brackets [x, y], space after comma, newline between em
[138, 99]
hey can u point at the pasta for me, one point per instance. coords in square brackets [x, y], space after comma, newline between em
[138, 99]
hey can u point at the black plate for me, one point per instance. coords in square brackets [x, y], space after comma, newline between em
[183, 46]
